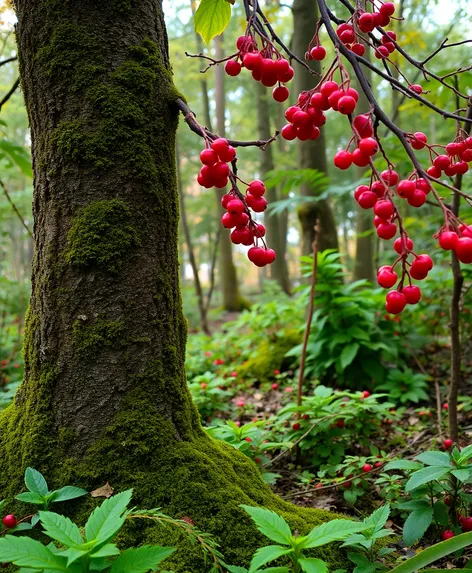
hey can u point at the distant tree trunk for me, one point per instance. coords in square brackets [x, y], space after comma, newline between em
[231, 299]
[203, 81]
[191, 253]
[283, 217]
[278, 269]
[311, 154]
[105, 396]
[364, 267]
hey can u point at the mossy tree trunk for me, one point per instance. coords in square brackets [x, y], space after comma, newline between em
[104, 396]
[311, 154]
[279, 269]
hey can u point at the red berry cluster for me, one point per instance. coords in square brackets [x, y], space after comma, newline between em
[261, 63]
[216, 172]
[306, 118]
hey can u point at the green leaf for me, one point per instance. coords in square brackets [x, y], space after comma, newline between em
[61, 529]
[348, 354]
[266, 554]
[461, 475]
[108, 550]
[66, 493]
[403, 465]
[425, 475]
[140, 560]
[27, 552]
[73, 554]
[379, 517]
[31, 497]
[435, 459]
[270, 524]
[417, 523]
[212, 18]
[335, 530]
[35, 482]
[107, 519]
[313, 565]
[434, 553]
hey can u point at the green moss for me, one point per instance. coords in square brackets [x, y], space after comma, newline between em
[100, 235]
[270, 356]
[90, 338]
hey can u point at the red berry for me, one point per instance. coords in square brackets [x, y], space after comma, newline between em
[381, 52]
[417, 199]
[343, 160]
[448, 240]
[416, 88]
[447, 534]
[434, 172]
[398, 245]
[232, 68]
[257, 188]
[423, 185]
[9, 521]
[242, 236]
[235, 207]
[289, 132]
[386, 277]
[327, 88]
[366, 22]
[448, 443]
[367, 468]
[248, 440]
[257, 204]
[319, 101]
[287, 76]
[390, 47]
[419, 140]
[412, 293]
[367, 200]
[461, 167]
[346, 105]
[318, 53]
[441, 162]
[203, 385]
[387, 8]
[366, 393]
[296, 426]
[390, 177]
[369, 146]
[280, 93]
[464, 249]
[466, 522]
[396, 302]
[208, 157]
[384, 209]
[406, 188]
[334, 98]
[282, 66]
[340, 423]
[275, 386]
[360, 159]
[378, 188]
[386, 231]
[228, 154]
[358, 49]
[363, 126]
[252, 61]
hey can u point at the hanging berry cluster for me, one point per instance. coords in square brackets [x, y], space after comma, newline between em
[262, 65]
[217, 172]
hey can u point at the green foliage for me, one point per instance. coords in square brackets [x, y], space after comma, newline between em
[211, 18]
[80, 552]
[405, 386]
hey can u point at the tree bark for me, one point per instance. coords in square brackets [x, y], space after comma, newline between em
[311, 154]
[104, 396]
[278, 269]
[229, 286]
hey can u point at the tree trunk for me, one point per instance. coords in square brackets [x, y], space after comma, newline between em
[228, 276]
[278, 269]
[311, 154]
[104, 396]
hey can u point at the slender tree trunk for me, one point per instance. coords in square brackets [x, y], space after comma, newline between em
[278, 269]
[283, 217]
[228, 276]
[104, 396]
[311, 154]
[203, 81]
[191, 252]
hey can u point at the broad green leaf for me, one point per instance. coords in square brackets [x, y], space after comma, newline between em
[66, 493]
[24, 526]
[335, 530]
[108, 550]
[466, 452]
[211, 18]
[379, 517]
[403, 465]
[140, 560]
[461, 475]
[417, 523]
[27, 552]
[35, 482]
[313, 565]
[73, 554]
[425, 475]
[270, 524]
[61, 529]
[107, 519]
[235, 569]
[266, 554]
[435, 459]
[434, 553]
[348, 354]
[31, 497]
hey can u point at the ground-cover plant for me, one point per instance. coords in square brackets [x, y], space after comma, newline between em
[405, 386]
[434, 492]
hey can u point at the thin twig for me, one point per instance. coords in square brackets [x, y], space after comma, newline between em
[14, 207]
[10, 93]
